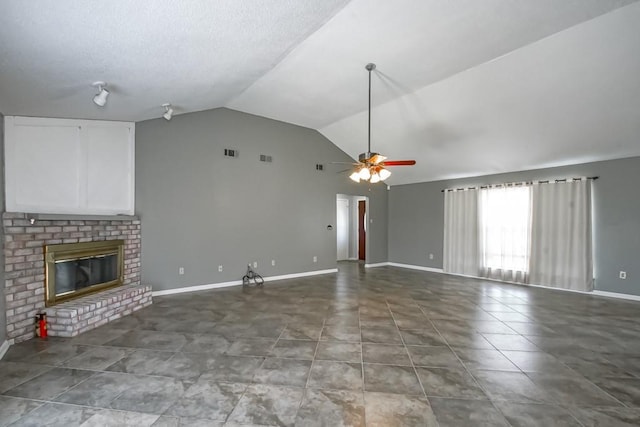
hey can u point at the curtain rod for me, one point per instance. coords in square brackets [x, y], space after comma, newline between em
[508, 184]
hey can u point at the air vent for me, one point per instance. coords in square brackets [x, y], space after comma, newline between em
[265, 158]
[319, 167]
[228, 152]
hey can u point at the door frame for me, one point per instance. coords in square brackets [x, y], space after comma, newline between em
[343, 199]
[353, 224]
[362, 230]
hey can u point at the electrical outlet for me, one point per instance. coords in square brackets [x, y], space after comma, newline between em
[181, 271]
[315, 259]
[430, 256]
[273, 263]
[623, 275]
[255, 264]
[219, 269]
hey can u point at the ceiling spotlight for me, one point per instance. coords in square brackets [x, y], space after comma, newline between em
[168, 111]
[101, 97]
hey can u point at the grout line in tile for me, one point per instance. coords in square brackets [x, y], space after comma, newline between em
[415, 371]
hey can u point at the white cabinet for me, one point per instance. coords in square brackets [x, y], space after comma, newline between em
[69, 166]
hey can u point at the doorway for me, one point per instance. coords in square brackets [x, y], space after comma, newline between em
[342, 229]
[351, 229]
[362, 230]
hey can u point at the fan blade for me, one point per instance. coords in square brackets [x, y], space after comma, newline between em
[398, 163]
[345, 163]
[346, 170]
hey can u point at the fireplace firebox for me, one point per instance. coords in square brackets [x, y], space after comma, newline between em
[76, 269]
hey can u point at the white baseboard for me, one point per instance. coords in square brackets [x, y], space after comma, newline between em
[415, 267]
[409, 266]
[296, 275]
[617, 295]
[4, 348]
[530, 285]
[378, 264]
[595, 292]
[196, 288]
[439, 270]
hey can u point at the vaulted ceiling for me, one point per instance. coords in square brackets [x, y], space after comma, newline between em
[465, 87]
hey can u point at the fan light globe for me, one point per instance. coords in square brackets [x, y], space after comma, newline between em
[365, 174]
[355, 176]
[384, 174]
[374, 178]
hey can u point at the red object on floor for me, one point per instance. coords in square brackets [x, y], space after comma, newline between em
[43, 325]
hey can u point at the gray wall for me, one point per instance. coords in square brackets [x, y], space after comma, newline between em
[3, 310]
[416, 218]
[200, 209]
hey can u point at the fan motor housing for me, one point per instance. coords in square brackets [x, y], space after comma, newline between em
[365, 157]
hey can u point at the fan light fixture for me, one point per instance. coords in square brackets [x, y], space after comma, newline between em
[100, 99]
[168, 111]
[371, 169]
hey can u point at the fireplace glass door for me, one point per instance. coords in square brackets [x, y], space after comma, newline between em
[75, 269]
[74, 275]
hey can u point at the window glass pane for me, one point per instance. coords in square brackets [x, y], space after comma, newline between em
[504, 227]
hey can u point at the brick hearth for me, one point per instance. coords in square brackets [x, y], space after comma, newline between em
[83, 314]
[24, 260]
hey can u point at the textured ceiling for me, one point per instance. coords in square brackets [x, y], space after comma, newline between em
[464, 87]
[195, 54]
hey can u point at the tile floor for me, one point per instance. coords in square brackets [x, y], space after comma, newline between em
[381, 347]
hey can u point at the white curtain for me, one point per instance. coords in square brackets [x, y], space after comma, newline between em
[461, 254]
[561, 235]
[505, 231]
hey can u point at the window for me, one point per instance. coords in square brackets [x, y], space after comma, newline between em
[504, 226]
[537, 233]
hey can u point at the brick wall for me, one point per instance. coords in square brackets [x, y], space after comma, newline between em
[24, 259]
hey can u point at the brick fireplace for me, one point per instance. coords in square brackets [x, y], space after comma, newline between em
[25, 236]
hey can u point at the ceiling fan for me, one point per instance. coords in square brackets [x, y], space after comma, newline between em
[372, 167]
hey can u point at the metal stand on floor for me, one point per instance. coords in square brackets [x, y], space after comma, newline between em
[252, 276]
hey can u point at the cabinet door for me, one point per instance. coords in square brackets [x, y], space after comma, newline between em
[110, 169]
[43, 163]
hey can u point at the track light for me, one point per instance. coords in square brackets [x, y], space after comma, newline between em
[101, 97]
[168, 111]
